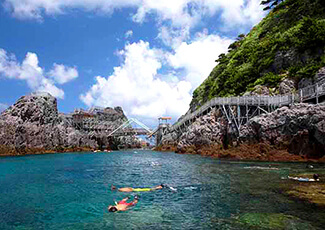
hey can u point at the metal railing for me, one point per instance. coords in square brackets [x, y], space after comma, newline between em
[307, 93]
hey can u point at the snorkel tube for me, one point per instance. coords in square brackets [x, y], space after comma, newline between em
[169, 187]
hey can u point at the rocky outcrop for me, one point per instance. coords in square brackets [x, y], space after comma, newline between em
[287, 86]
[318, 78]
[33, 125]
[289, 133]
[37, 108]
[259, 90]
[205, 131]
[300, 128]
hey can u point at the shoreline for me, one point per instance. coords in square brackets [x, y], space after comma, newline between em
[37, 151]
[245, 152]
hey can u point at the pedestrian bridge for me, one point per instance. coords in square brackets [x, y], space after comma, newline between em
[238, 110]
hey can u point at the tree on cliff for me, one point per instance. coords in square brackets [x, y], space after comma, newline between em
[270, 3]
[290, 40]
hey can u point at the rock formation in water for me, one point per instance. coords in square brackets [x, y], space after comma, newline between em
[298, 130]
[33, 125]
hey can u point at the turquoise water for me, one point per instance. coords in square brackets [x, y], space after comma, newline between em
[72, 191]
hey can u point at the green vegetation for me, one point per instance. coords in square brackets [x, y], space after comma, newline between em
[290, 41]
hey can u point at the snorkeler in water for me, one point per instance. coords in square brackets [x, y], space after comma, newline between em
[129, 189]
[305, 179]
[123, 205]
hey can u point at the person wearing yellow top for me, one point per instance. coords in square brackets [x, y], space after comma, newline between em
[129, 189]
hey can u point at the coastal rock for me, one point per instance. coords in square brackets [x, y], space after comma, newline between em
[318, 78]
[205, 131]
[40, 108]
[284, 59]
[33, 124]
[296, 132]
[301, 127]
[305, 82]
[320, 75]
[170, 139]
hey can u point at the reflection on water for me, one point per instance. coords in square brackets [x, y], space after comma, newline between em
[72, 191]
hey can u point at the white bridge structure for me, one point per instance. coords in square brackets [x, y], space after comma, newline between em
[126, 129]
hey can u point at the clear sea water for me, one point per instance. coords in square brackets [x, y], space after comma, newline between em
[72, 191]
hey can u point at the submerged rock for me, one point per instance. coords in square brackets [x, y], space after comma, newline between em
[271, 221]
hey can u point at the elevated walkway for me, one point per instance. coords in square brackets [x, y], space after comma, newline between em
[238, 110]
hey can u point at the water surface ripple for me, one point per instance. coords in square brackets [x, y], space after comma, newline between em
[72, 191]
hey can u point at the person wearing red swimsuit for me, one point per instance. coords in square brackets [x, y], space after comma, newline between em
[123, 205]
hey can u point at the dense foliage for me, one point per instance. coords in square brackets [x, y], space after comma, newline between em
[289, 42]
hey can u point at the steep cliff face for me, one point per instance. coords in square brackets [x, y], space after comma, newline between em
[287, 44]
[33, 125]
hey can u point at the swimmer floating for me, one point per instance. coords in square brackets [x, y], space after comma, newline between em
[129, 189]
[123, 205]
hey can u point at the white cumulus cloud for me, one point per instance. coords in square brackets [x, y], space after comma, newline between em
[197, 58]
[135, 86]
[143, 92]
[181, 13]
[30, 71]
[62, 74]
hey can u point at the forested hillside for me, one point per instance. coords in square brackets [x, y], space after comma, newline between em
[288, 43]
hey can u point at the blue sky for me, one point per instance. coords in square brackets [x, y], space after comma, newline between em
[146, 56]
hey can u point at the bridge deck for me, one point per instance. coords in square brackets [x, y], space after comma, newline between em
[308, 93]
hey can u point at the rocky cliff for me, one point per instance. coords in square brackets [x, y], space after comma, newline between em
[298, 128]
[282, 54]
[288, 43]
[289, 133]
[33, 125]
